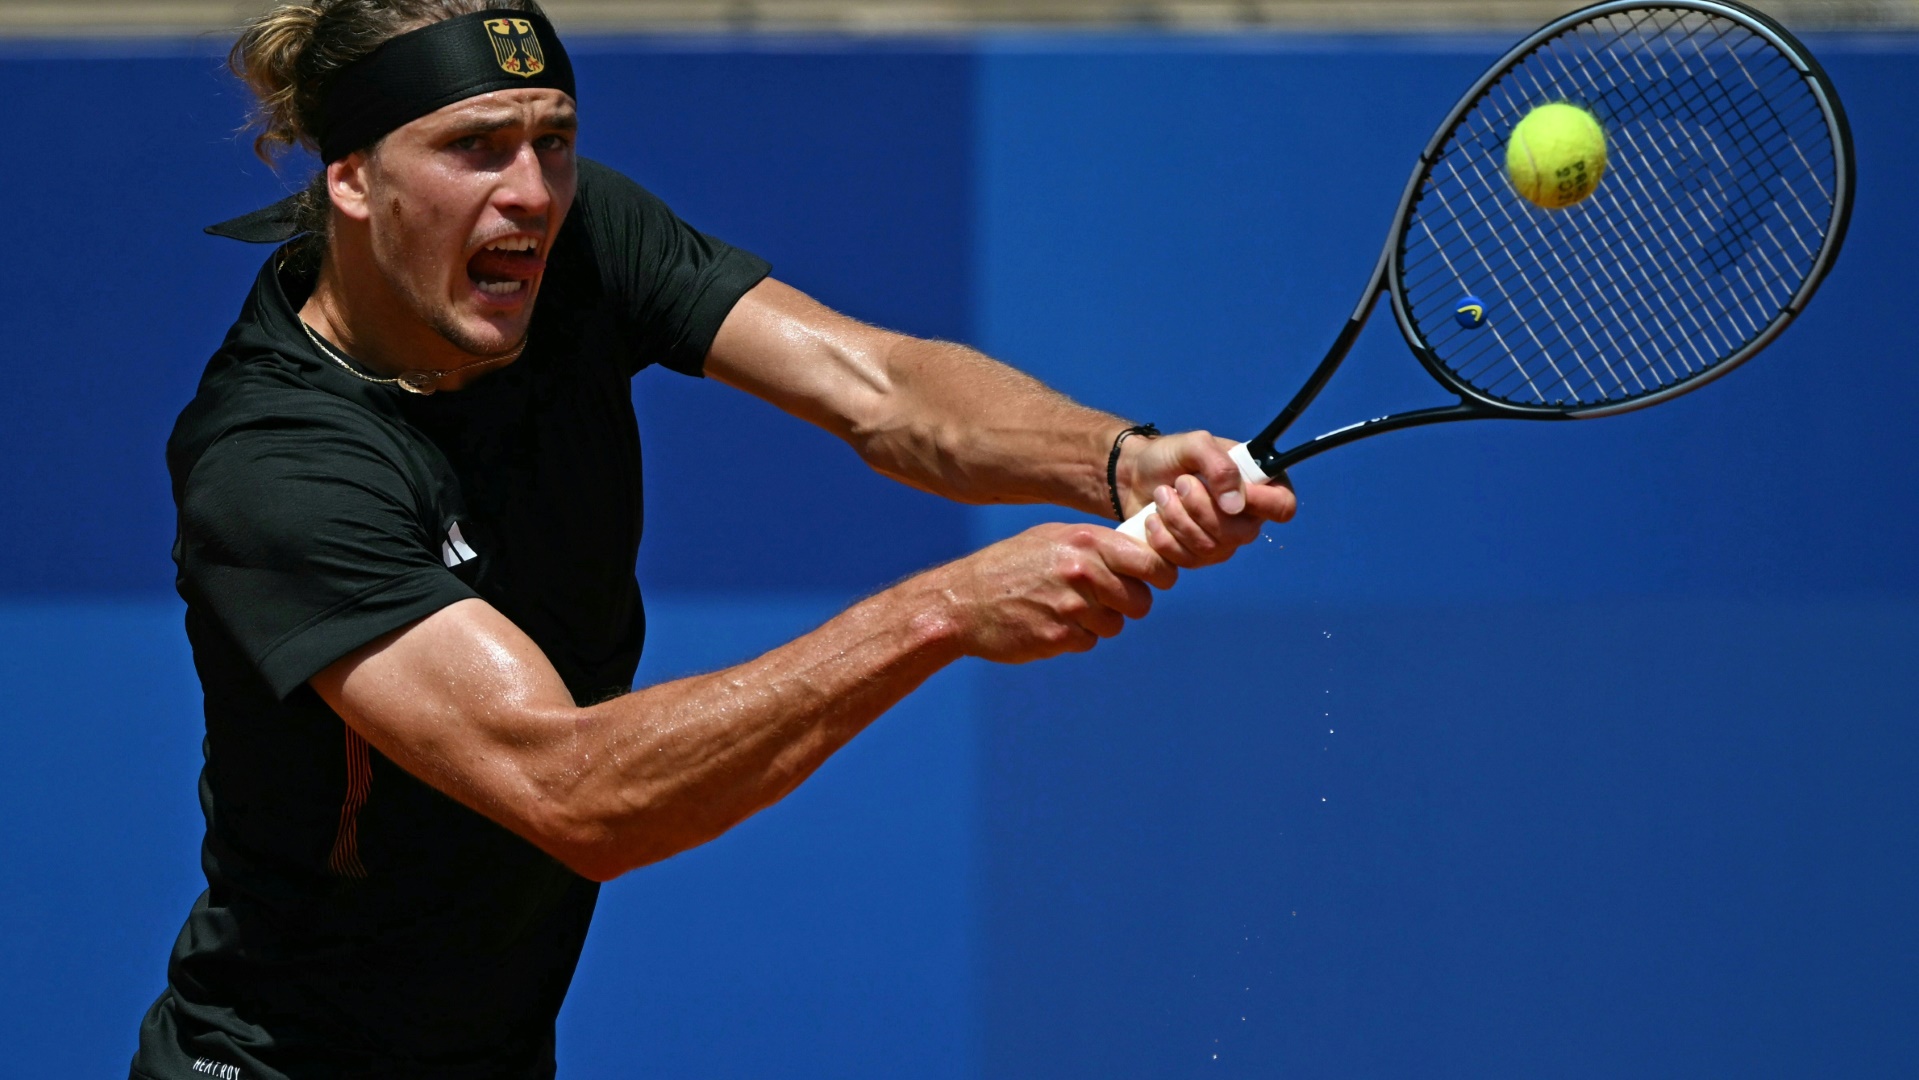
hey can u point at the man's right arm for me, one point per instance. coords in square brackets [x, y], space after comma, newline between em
[467, 702]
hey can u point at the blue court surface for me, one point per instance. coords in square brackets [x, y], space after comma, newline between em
[1574, 750]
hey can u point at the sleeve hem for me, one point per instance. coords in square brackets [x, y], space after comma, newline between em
[736, 275]
[308, 648]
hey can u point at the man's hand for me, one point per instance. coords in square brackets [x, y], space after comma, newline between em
[1049, 590]
[1206, 511]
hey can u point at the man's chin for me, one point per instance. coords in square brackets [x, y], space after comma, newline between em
[485, 337]
[490, 329]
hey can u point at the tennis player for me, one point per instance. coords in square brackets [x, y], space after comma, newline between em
[409, 507]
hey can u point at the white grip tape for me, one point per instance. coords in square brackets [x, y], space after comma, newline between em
[1135, 526]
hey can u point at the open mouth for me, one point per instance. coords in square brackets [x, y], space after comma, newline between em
[505, 269]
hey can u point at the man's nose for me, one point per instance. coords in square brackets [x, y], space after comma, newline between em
[523, 184]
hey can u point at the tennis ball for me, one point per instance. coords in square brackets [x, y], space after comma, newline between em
[1556, 155]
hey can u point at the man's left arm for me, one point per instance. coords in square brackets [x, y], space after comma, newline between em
[948, 419]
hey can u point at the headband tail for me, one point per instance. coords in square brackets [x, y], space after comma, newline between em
[274, 224]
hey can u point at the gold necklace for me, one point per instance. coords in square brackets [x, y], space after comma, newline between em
[413, 382]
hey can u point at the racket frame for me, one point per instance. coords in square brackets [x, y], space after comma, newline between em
[1386, 278]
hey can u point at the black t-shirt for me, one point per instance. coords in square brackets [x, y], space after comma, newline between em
[357, 922]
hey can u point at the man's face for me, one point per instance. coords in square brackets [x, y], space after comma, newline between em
[463, 205]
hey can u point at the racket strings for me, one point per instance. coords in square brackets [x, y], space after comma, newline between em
[1715, 205]
[1669, 287]
[1668, 225]
[1759, 148]
[1669, 222]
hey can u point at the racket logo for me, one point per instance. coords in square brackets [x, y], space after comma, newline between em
[1471, 313]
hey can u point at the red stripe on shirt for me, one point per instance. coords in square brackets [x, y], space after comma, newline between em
[345, 858]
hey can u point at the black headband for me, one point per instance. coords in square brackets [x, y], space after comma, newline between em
[428, 69]
[410, 76]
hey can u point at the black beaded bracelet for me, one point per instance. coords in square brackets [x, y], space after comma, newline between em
[1112, 463]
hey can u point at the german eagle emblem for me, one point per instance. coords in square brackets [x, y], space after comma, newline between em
[517, 46]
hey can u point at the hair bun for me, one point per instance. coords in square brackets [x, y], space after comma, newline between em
[267, 57]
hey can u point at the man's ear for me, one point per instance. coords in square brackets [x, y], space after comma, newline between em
[347, 184]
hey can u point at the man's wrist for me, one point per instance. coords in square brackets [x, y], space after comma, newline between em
[932, 614]
[1121, 466]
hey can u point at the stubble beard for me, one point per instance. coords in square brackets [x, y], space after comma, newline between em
[448, 327]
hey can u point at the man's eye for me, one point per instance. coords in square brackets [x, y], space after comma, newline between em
[553, 142]
[470, 142]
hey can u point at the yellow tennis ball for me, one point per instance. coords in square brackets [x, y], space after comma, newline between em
[1556, 155]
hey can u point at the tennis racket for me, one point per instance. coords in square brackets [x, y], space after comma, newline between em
[1725, 198]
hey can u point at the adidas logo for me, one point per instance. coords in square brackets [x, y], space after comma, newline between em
[455, 550]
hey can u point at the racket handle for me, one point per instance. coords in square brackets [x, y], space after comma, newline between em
[1249, 471]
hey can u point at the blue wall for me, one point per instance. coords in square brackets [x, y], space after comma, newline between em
[1570, 749]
